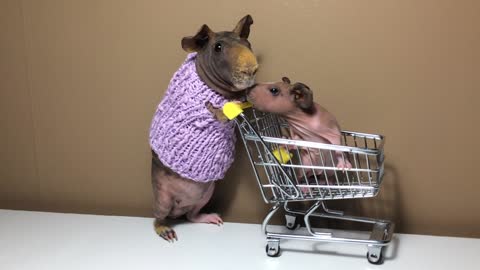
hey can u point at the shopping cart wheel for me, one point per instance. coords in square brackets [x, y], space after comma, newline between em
[375, 258]
[273, 248]
[291, 222]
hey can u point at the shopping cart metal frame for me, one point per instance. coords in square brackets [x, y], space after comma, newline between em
[283, 182]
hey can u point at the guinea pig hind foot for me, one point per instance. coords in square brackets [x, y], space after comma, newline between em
[206, 218]
[165, 232]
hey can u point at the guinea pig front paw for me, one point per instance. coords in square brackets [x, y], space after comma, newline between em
[344, 164]
[217, 113]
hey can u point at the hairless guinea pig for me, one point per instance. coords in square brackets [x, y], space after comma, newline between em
[307, 120]
[191, 146]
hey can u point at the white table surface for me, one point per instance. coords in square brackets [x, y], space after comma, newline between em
[39, 240]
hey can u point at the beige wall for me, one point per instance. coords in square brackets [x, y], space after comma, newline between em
[79, 82]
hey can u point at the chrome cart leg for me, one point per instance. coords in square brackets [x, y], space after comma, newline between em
[288, 210]
[270, 214]
[273, 244]
[329, 211]
[374, 254]
[273, 247]
[307, 221]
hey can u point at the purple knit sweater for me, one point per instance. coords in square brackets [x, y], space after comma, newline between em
[184, 134]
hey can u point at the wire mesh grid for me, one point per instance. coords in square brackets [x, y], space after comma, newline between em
[310, 171]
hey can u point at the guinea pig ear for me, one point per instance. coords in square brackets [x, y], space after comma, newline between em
[197, 42]
[243, 27]
[302, 96]
[286, 80]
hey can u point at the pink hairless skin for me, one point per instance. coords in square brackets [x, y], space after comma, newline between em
[308, 120]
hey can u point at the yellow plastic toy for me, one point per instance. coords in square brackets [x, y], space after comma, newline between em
[282, 155]
[234, 109]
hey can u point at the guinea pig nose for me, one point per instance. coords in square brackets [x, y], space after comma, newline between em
[250, 71]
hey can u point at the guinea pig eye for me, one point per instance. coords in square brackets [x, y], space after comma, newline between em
[274, 91]
[218, 47]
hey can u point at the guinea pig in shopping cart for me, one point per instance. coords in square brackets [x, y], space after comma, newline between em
[307, 121]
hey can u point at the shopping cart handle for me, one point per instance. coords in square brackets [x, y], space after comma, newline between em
[234, 109]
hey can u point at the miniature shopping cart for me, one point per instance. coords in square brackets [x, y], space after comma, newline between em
[283, 178]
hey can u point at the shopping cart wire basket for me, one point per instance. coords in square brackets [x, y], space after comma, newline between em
[293, 170]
